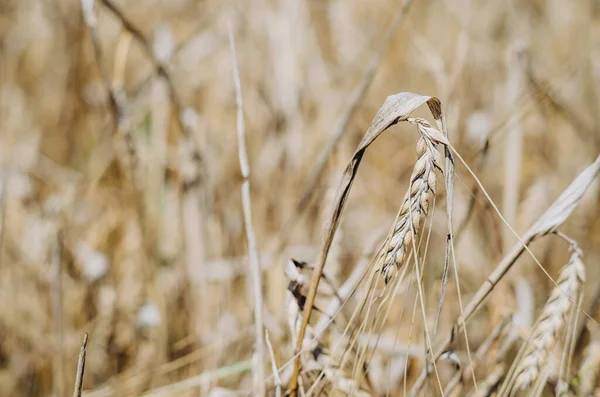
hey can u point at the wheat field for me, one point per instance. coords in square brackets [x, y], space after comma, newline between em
[303, 198]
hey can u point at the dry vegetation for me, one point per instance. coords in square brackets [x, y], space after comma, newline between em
[148, 184]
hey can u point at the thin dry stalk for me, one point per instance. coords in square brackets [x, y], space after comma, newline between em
[554, 216]
[3, 179]
[276, 378]
[259, 369]
[57, 298]
[80, 367]
[551, 321]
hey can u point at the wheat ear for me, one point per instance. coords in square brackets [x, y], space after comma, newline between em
[419, 195]
[551, 321]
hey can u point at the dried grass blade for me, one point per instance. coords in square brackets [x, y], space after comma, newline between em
[200, 380]
[276, 378]
[449, 183]
[80, 367]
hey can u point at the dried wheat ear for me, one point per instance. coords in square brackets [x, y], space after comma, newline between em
[415, 205]
[551, 321]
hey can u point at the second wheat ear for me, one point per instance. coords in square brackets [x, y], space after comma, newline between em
[549, 326]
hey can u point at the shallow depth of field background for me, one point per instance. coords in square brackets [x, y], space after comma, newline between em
[156, 270]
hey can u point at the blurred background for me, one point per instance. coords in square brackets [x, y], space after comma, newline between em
[120, 202]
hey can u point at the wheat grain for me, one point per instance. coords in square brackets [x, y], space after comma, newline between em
[551, 322]
[415, 206]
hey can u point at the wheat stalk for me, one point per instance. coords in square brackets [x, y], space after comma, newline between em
[551, 321]
[416, 201]
[259, 361]
[80, 367]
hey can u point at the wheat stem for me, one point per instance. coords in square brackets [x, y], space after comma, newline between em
[80, 367]
[259, 365]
